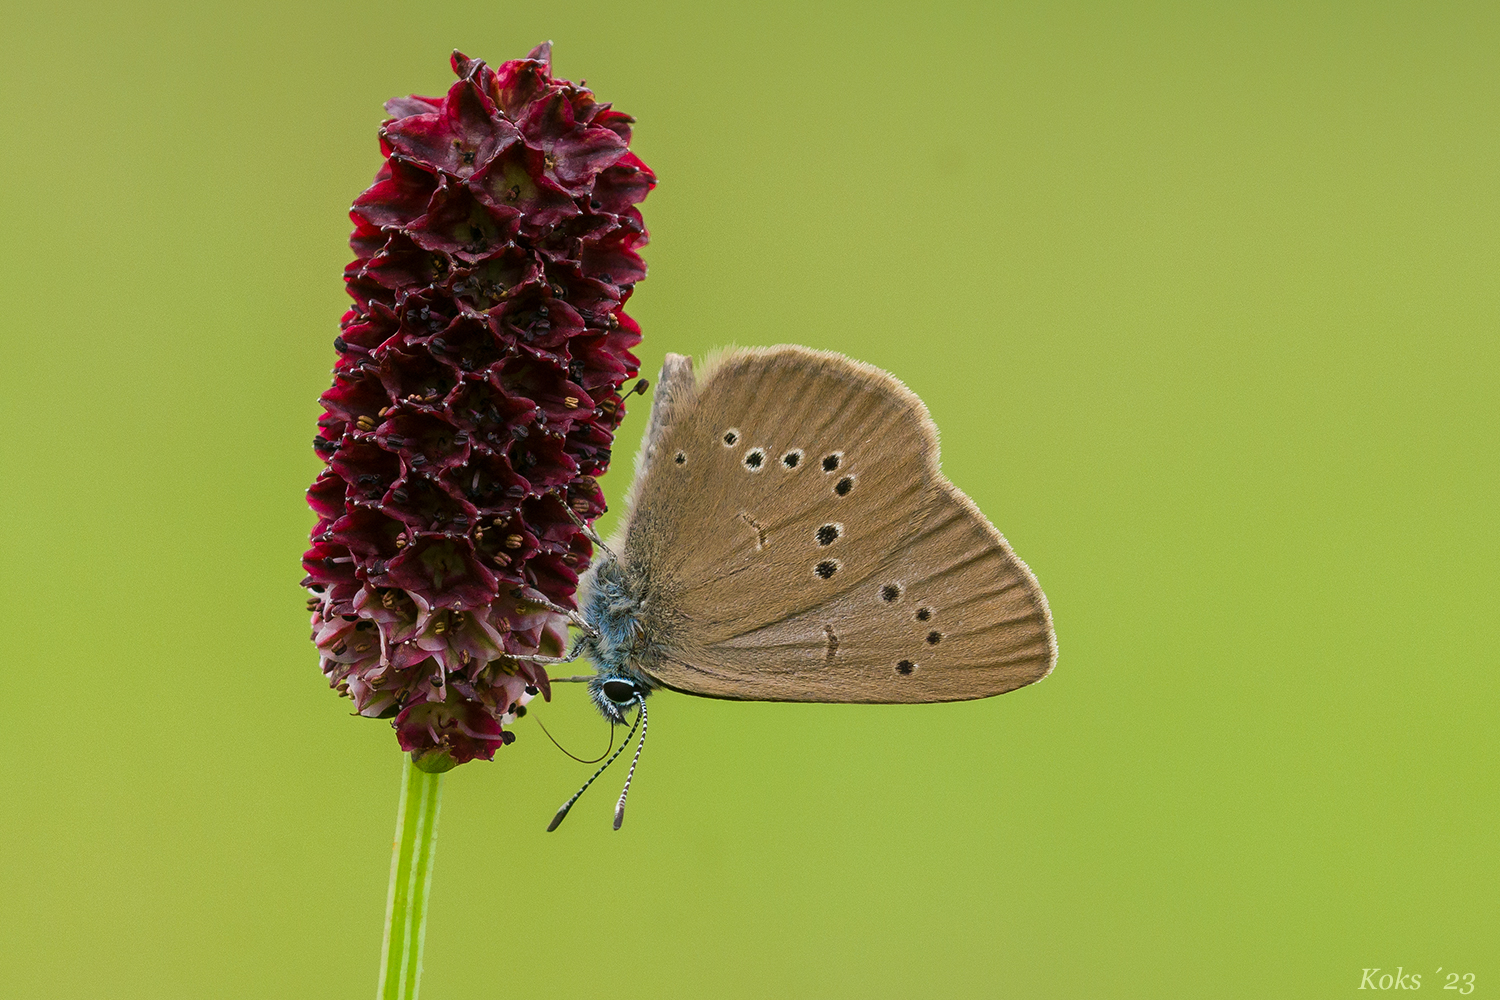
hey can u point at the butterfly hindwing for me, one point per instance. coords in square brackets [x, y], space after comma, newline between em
[952, 615]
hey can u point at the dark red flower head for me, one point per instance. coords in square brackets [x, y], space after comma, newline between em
[474, 401]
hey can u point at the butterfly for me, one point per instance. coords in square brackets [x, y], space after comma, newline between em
[789, 536]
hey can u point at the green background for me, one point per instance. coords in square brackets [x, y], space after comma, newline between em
[1203, 299]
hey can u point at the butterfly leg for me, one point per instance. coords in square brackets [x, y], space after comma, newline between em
[557, 609]
[588, 530]
[583, 623]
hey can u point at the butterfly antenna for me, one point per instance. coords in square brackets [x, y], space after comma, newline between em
[620, 806]
[563, 812]
[580, 759]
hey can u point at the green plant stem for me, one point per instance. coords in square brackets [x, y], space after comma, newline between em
[411, 878]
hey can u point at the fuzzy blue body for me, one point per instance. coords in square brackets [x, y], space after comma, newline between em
[613, 607]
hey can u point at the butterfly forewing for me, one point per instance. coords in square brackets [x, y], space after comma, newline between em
[785, 482]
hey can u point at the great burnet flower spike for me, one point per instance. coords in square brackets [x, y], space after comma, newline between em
[475, 399]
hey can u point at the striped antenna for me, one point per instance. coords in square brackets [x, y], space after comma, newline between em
[620, 806]
[562, 813]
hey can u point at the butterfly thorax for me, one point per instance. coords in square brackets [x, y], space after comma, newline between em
[614, 606]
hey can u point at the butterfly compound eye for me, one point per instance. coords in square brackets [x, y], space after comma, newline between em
[619, 692]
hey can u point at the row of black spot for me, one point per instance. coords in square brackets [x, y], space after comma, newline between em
[756, 457]
[890, 594]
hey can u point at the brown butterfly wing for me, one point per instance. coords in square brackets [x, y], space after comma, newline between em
[925, 601]
[676, 386]
[952, 615]
[784, 481]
